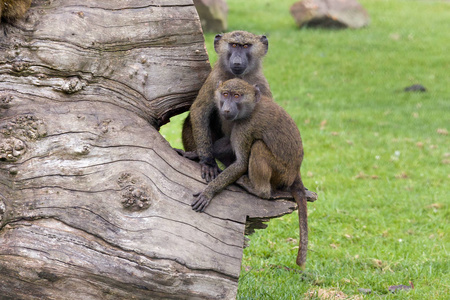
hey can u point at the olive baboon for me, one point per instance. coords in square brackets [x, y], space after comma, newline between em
[240, 56]
[267, 145]
[13, 9]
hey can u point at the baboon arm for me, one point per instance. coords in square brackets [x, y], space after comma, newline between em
[201, 111]
[233, 172]
[227, 177]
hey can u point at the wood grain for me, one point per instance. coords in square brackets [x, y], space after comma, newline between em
[94, 203]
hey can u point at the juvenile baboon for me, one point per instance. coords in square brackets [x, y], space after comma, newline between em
[240, 56]
[13, 9]
[267, 145]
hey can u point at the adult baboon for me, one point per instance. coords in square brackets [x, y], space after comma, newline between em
[240, 56]
[267, 145]
[13, 9]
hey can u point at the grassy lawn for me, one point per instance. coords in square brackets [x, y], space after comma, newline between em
[378, 157]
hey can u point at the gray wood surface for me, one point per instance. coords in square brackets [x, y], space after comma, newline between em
[94, 203]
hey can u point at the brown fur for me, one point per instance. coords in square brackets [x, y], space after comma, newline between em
[203, 126]
[13, 9]
[268, 146]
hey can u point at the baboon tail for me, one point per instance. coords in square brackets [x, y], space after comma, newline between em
[299, 194]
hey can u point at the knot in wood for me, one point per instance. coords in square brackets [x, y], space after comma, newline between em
[11, 149]
[26, 126]
[135, 199]
[71, 85]
[82, 150]
[19, 66]
[5, 100]
[104, 125]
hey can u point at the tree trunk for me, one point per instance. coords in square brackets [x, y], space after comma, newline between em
[94, 203]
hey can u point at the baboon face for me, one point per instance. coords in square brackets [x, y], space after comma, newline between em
[229, 104]
[239, 58]
[239, 51]
[236, 99]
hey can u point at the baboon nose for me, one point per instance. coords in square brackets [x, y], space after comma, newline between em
[237, 61]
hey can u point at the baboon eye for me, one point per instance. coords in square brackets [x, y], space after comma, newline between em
[236, 96]
[225, 94]
[234, 45]
[245, 46]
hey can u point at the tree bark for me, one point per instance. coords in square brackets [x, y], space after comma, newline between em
[94, 203]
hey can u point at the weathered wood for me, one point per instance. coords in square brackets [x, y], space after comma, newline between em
[94, 203]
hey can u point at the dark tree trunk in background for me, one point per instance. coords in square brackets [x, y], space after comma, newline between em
[94, 203]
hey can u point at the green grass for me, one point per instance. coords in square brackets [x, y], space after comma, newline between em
[377, 156]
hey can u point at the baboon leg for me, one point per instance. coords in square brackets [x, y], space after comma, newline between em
[187, 136]
[260, 169]
[223, 151]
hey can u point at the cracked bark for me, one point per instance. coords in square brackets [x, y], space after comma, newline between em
[94, 203]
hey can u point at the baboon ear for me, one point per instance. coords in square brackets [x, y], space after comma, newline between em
[257, 93]
[217, 40]
[265, 42]
[219, 83]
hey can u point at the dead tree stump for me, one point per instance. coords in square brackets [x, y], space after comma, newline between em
[94, 203]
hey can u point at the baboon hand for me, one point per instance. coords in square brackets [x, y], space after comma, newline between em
[209, 172]
[200, 202]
